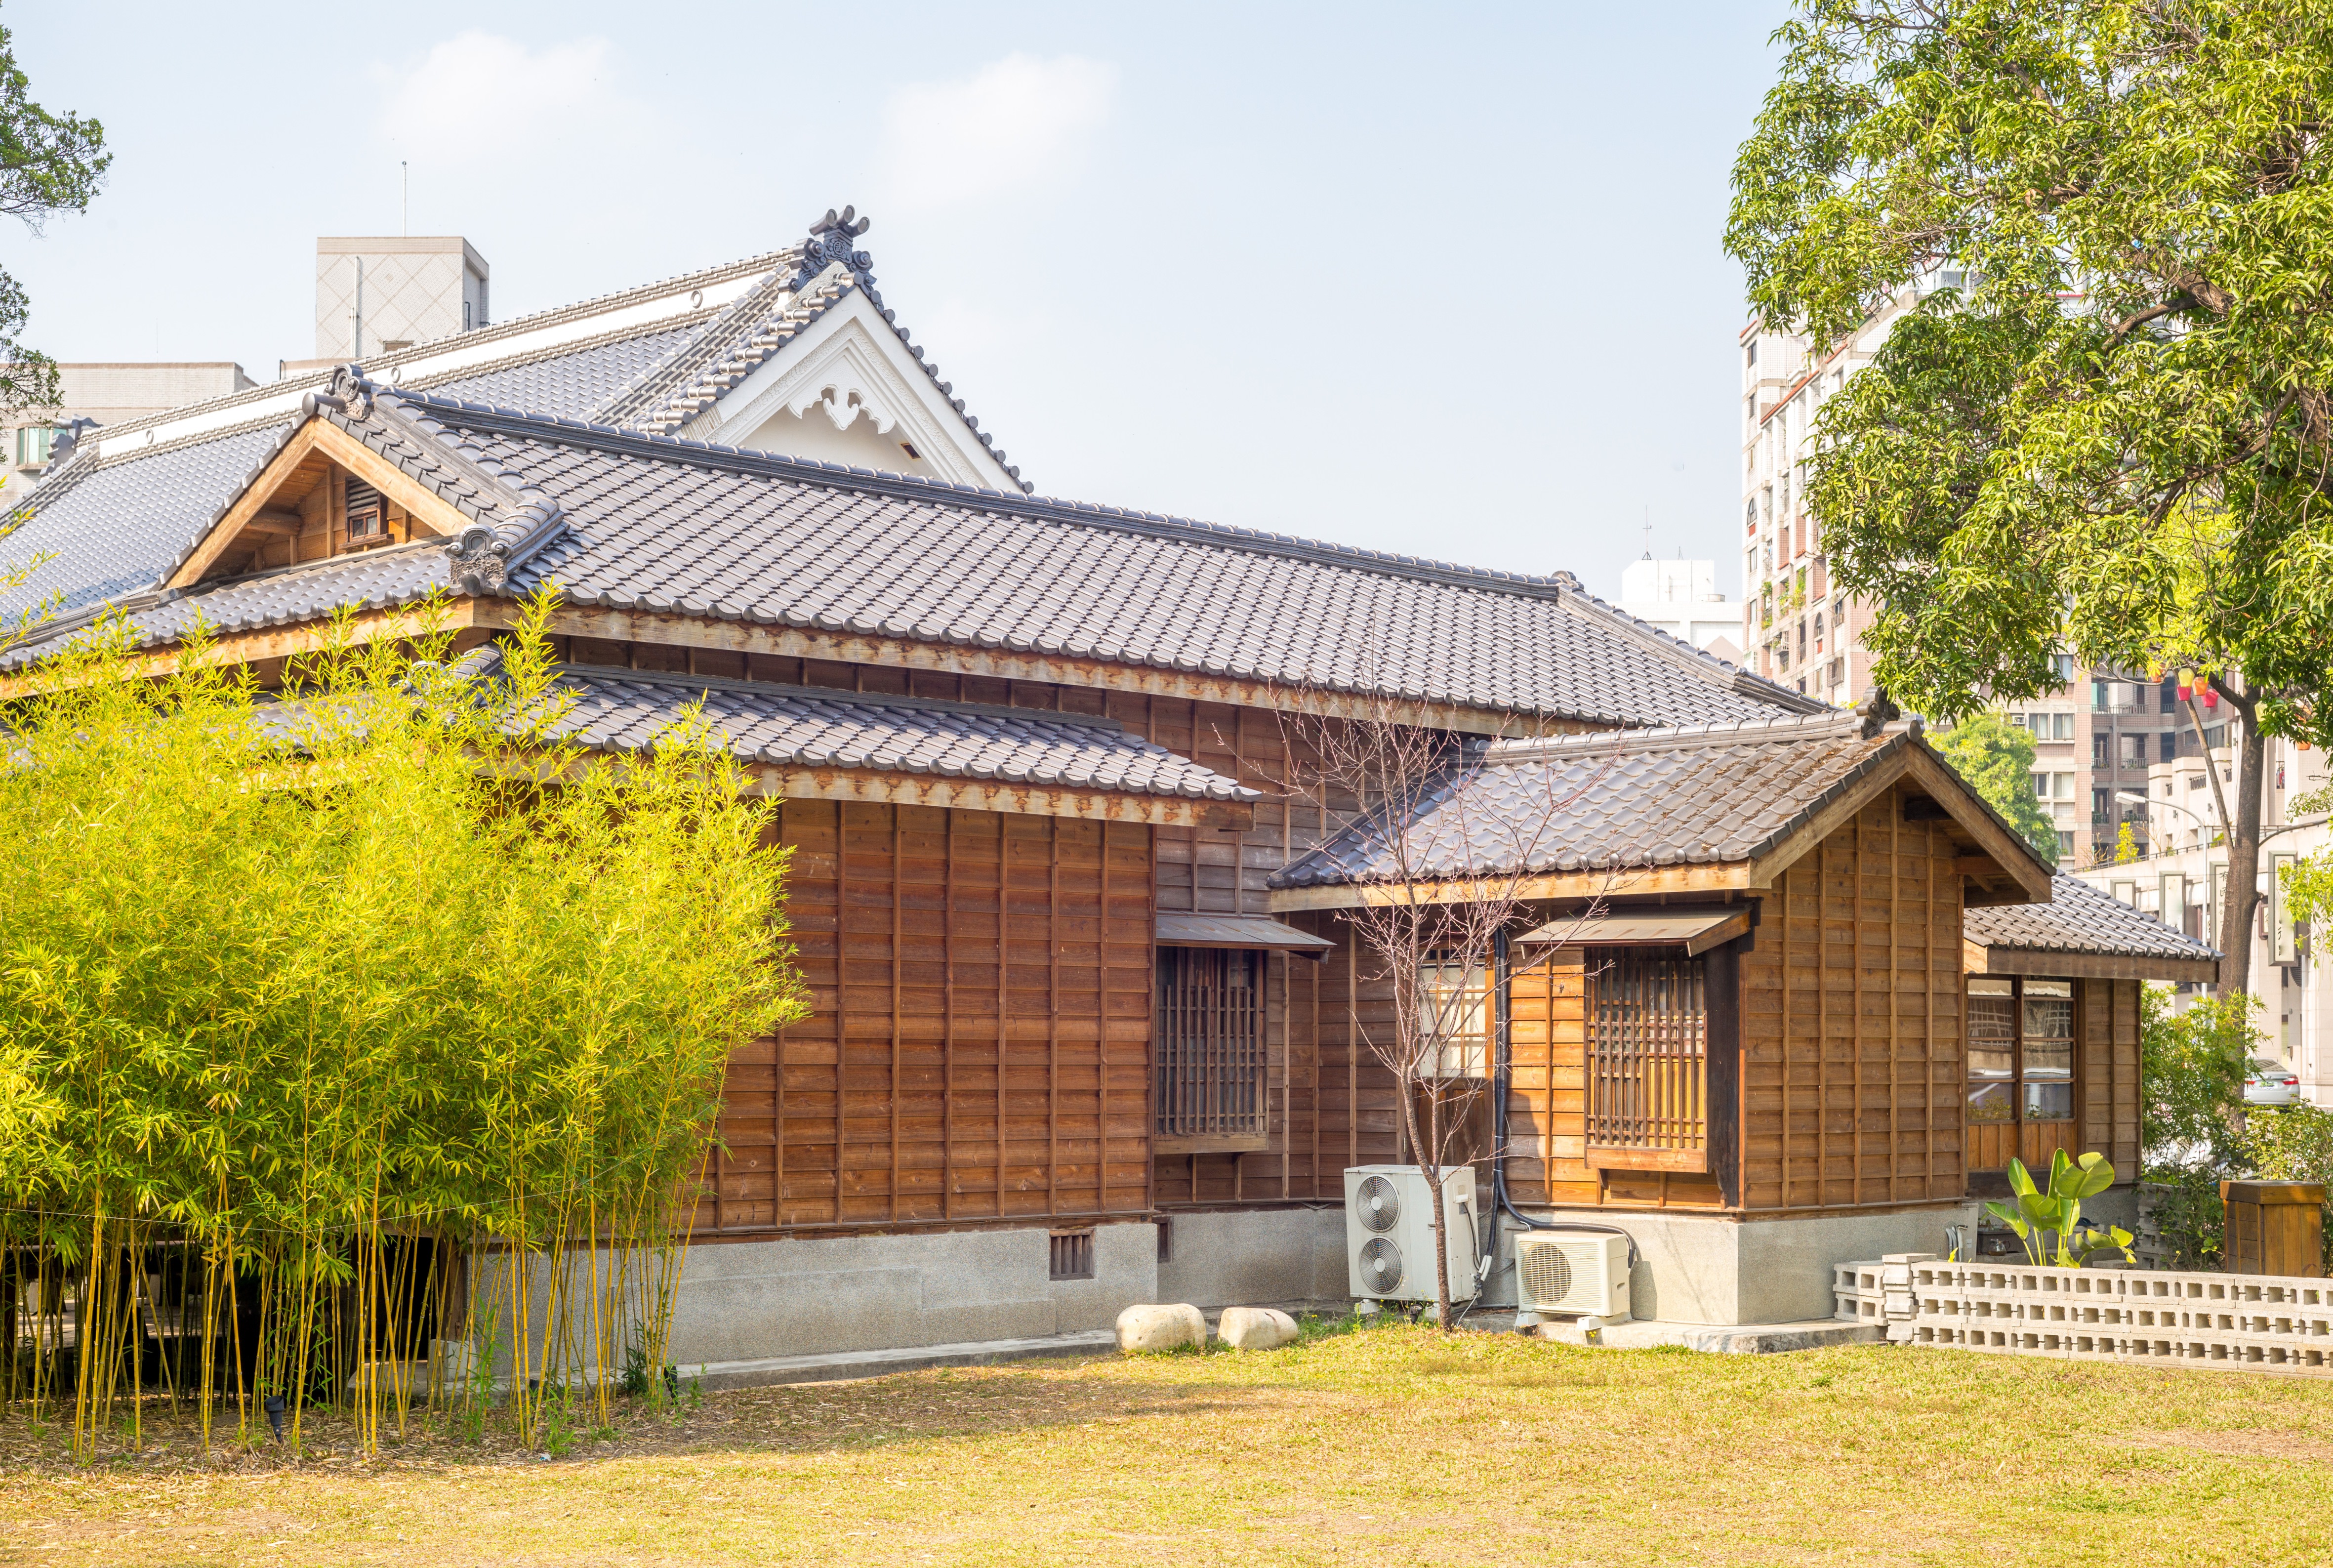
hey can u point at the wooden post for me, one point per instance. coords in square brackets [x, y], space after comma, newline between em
[947, 1014]
[899, 854]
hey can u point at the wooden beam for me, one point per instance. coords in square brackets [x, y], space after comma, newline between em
[1730, 876]
[436, 516]
[279, 642]
[274, 525]
[974, 794]
[273, 475]
[1919, 766]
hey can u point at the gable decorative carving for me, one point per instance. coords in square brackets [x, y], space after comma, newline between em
[842, 400]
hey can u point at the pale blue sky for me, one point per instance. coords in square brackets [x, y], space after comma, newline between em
[1437, 280]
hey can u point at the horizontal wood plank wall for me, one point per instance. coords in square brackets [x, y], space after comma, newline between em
[1852, 1090]
[1329, 1099]
[978, 1045]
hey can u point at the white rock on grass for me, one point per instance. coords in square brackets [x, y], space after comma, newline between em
[1256, 1328]
[1160, 1328]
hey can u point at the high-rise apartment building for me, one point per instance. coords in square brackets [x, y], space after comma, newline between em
[2092, 741]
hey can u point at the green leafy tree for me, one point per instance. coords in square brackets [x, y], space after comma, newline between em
[49, 163]
[1996, 757]
[2117, 440]
[2192, 1067]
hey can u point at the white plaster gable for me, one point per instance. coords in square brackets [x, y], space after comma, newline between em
[847, 389]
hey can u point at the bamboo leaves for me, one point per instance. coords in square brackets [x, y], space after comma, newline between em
[329, 987]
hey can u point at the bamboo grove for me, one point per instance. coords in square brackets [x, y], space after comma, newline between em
[360, 1040]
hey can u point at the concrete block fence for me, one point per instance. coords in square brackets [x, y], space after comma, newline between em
[2139, 1315]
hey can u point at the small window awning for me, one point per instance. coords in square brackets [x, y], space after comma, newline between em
[1240, 931]
[1697, 930]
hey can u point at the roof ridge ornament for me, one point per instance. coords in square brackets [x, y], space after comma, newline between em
[349, 391]
[830, 244]
[1878, 710]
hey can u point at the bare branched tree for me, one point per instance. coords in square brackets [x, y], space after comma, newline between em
[1452, 848]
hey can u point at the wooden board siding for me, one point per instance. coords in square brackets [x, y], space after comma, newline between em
[1853, 1060]
[941, 1083]
[979, 1037]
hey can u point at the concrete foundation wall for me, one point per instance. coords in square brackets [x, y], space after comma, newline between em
[749, 1301]
[744, 1301]
[1255, 1257]
[1715, 1269]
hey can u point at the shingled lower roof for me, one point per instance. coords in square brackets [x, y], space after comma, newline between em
[2081, 919]
[1626, 802]
[814, 727]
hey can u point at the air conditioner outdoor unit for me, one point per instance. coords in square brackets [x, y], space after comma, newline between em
[1586, 1276]
[1389, 1232]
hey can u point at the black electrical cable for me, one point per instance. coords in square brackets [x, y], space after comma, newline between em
[1502, 1074]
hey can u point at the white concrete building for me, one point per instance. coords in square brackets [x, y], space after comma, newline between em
[108, 394]
[1681, 598]
[2183, 881]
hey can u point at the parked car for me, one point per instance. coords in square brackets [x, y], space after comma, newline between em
[2270, 1083]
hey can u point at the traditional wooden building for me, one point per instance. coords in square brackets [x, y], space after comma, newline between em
[2053, 1031]
[1085, 1022]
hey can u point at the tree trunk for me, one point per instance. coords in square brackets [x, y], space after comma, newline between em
[2237, 909]
[1441, 1236]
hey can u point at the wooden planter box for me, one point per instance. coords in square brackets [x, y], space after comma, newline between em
[2275, 1228]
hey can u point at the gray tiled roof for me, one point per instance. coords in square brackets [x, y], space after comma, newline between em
[574, 383]
[2080, 919]
[1688, 795]
[812, 727]
[115, 527]
[393, 574]
[748, 537]
[664, 525]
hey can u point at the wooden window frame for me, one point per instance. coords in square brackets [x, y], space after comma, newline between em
[1210, 1059]
[2016, 1082]
[1466, 1054]
[1673, 1121]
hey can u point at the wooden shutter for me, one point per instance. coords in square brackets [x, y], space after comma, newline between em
[1209, 1088]
[1648, 1063]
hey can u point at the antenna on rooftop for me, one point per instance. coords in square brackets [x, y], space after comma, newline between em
[1648, 532]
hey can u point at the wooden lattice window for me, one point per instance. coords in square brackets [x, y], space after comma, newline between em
[1648, 1063]
[1209, 1075]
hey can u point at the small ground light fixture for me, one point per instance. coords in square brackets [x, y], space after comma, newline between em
[274, 1406]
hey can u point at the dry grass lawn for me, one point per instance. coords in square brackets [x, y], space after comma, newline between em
[1389, 1446]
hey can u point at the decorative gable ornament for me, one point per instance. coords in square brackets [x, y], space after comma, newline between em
[830, 244]
[348, 392]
